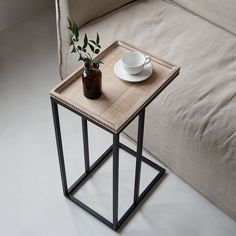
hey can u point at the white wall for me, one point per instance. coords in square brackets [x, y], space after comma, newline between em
[14, 11]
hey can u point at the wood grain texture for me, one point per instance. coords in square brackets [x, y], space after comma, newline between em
[120, 100]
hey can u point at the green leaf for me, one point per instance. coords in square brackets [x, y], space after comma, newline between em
[71, 40]
[92, 41]
[91, 47]
[76, 32]
[97, 51]
[85, 41]
[70, 25]
[69, 22]
[73, 28]
[97, 39]
[87, 61]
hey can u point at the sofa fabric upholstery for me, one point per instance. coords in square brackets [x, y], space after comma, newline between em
[81, 11]
[84, 11]
[222, 13]
[191, 126]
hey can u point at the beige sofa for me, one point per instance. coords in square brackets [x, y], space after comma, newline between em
[191, 127]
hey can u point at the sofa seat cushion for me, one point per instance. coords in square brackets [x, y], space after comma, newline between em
[191, 126]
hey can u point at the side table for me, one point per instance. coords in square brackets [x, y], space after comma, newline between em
[119, 105]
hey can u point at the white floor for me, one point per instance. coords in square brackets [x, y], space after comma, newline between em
[31, 200]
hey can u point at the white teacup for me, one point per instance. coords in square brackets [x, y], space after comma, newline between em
[134, 62]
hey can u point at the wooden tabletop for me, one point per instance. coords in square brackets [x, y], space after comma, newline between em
[120, 100]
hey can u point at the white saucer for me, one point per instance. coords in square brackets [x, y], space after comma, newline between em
[122, 74]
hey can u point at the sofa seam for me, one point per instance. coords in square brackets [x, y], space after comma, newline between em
[59, 37]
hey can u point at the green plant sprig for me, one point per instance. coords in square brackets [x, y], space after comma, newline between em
[82, 50]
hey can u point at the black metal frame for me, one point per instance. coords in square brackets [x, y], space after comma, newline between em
[69, 192]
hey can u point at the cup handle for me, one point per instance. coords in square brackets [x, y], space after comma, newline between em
[147, 60]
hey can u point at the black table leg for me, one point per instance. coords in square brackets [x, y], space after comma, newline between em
[115, 179]
[86, 145]
[59, 146]
[139, 154]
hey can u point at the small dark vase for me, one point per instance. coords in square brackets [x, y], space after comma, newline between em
[92, 82]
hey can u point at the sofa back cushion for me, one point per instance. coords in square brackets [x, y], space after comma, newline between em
[83, 11]
[220, 12]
